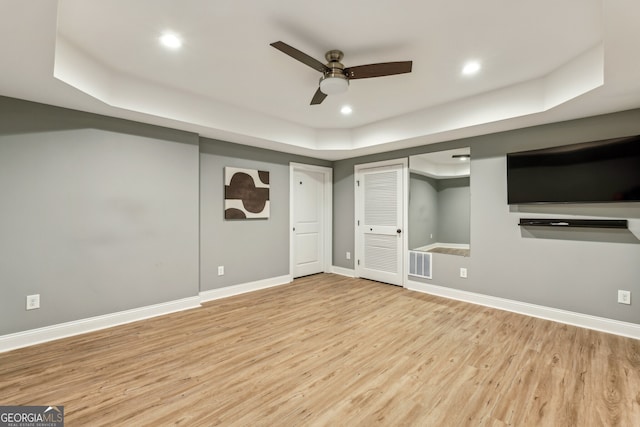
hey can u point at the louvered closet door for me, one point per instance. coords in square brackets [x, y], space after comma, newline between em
[380, 228]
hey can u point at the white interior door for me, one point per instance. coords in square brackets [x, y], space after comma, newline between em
[308, 223]
[379, 223]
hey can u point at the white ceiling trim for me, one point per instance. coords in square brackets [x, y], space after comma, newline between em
[577, 77]
[39, 65]
[78, 69]
[441, 164]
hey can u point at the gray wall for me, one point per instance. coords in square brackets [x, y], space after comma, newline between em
[438, 210]
[98, 215]
[249, 250]
[343, 191]
[101, 215]
[423, 211]
[454, 200]
[574, 270]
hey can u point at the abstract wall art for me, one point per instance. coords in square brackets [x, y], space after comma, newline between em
[246, 193]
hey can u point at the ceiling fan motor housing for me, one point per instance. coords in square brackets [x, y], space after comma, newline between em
[334, 80]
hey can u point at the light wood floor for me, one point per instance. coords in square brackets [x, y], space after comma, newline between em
[451, 251]
[333, 351]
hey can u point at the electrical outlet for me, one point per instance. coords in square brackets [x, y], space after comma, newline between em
[221, 270]
[348, 255]
[624, 297]
[463, 272]
[33, 301]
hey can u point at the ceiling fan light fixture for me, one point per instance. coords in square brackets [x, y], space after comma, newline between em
[333, 84]
[335, 77]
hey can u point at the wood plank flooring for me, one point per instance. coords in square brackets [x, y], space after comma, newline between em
[451, 251]
[333, 351]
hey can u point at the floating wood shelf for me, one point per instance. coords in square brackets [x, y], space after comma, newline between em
[567, 222]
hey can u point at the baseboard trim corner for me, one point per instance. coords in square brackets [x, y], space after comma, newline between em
[596, 323]
[343, 271]
[243, 288]
[77, 327]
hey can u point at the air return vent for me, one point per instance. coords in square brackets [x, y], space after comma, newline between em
[420, 264]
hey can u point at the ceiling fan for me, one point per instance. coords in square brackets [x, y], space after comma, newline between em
[335, 77]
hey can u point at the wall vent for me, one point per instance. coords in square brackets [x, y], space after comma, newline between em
[420, 264]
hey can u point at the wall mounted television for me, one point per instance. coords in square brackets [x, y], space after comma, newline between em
[591, 172]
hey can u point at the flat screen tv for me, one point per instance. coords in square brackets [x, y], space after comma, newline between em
[591, 172]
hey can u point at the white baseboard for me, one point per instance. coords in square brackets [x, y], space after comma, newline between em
[343, 271]
[601, 324]
[77, 327]
[443, 245]
[63, 330]
[229, 291]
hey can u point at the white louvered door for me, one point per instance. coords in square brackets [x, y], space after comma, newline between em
[379, 224]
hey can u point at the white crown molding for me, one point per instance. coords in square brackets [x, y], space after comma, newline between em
[214, 119]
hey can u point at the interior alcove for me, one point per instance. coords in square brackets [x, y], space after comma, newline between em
[439, 202]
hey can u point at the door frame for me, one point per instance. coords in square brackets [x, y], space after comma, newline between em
[327, 212]
[358, 210]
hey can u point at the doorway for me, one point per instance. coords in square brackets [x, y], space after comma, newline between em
[310, 219]
[380, 196]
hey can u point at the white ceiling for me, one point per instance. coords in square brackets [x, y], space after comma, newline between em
[442, 164]
[542, 62]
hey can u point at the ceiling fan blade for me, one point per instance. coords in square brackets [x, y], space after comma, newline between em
[378, 70]
[300, 56]
[318, 97]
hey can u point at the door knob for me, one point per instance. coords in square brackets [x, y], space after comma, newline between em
[398, 231]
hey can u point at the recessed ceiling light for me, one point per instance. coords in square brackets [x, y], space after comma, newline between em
[462, 157]
[171, 41]
[346, 110]
[470, 68]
